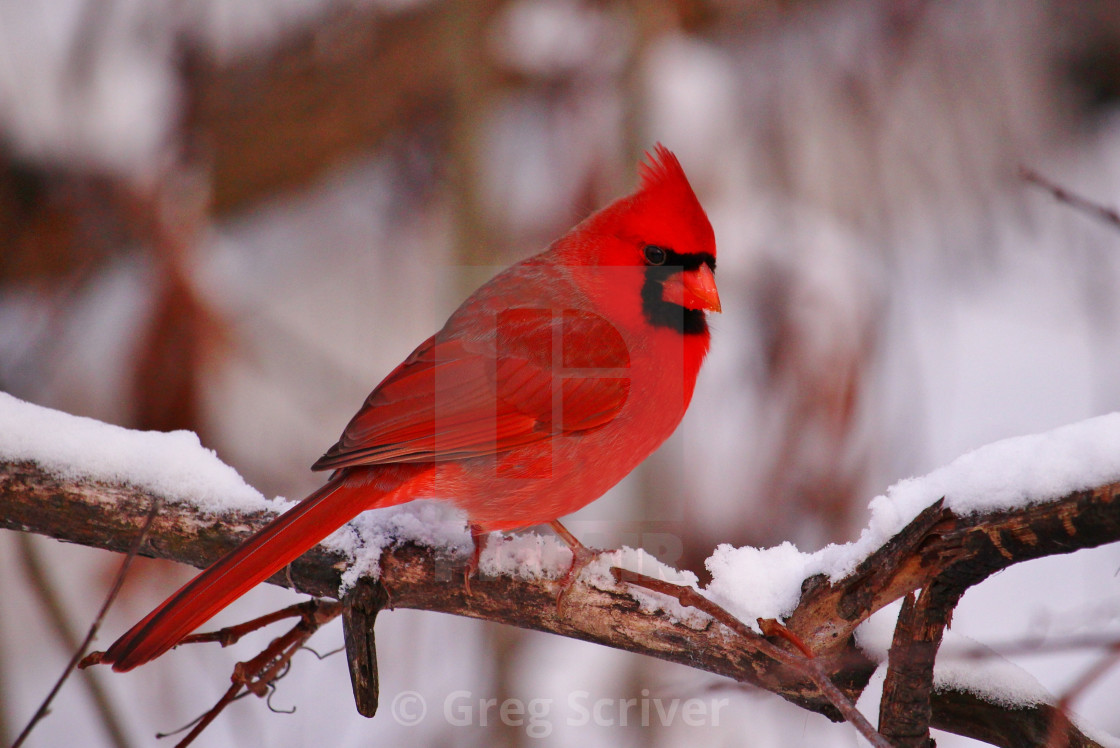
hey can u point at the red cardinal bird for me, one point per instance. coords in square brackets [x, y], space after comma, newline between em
[544, 389]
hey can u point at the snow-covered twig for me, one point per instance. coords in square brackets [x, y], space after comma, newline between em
[807, 665]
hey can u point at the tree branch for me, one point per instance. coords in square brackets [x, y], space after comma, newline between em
[959, 551]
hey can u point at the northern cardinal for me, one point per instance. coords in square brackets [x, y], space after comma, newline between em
[544, 389]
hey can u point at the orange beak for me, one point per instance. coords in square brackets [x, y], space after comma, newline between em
[693, 289]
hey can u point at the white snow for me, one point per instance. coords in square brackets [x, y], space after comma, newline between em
[597, 574]
[773, 577]
[966, 665]
[1013, 472]
[432, 524]
[765, 582]
[174, 464]
[527, 554]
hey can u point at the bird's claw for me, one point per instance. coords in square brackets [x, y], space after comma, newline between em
[478, 538]
[581, 557]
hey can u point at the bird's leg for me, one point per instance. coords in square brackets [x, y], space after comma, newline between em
[581, 557]
[478, 537]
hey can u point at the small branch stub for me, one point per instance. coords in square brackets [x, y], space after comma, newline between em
[359, 613]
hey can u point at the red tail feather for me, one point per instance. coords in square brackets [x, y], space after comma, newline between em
[270, 550]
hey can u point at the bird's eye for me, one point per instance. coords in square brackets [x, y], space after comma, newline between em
[655, 255]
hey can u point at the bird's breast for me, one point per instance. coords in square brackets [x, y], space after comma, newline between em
[560, 474]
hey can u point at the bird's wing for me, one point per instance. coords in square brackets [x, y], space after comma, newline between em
[540, 374]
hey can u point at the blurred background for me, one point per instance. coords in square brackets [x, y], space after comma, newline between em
[236, 217]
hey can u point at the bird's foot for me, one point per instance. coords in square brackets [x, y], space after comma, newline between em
[581, 557]
[478, 537]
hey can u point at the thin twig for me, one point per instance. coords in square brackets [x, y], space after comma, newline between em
[1063, 195]
[807, 665]
[195, 721]
[232, 634]
[61, 622]
[118, 582]
[1032, 646]
[258, 675]
[232, 694]
[1059, 734]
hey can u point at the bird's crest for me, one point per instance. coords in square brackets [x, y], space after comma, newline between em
[662, 169]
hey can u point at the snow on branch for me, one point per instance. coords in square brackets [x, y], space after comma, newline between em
[942, 550]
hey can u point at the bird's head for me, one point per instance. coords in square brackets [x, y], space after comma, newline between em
[662, 244]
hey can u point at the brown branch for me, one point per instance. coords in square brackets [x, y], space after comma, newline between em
[947, 554]
[905, 710]
[1000, 725]
[1072, 199]
[960, 551]
[806, 665]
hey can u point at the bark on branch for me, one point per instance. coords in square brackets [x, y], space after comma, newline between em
[957, 552]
